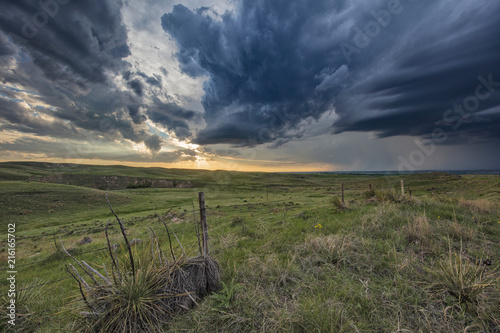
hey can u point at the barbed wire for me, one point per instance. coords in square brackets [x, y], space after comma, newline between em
[214, 231]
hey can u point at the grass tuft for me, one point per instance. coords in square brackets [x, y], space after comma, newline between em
[462, 279]
[419, 230]
[145, 288]
[338, 204]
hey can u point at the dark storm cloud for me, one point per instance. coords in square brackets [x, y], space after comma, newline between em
[22, 121]
[5, 49]
[261, 66]
[227, 152]
[154, 143]
[172, 116]
[431, 75]
[134, 113]
[76, 38]
[273, 64]
[136, 86]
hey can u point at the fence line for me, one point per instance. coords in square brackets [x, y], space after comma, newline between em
[214, 231]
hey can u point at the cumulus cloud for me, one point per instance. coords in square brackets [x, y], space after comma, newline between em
[65, 74]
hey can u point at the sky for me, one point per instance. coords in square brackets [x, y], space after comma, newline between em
[252, 85]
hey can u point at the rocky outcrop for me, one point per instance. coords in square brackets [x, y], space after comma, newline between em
[111, 182]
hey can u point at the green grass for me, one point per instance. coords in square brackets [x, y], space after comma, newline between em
[379, 265]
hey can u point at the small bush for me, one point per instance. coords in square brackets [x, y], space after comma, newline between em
[226, 296]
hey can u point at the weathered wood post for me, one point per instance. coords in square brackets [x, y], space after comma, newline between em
[402, 188]
[342, 190]
[410, 192]
[203, 223]
[370, 187]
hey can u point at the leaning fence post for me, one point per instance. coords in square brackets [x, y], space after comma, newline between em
[342, 190]
[203, 223]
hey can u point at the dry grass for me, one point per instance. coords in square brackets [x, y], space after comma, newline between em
[331, 245]
[419, 230]
[459, 232]
[480, 206]
[227, 240]
[338, 250]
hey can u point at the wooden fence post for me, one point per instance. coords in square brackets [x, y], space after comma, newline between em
[370, 187]
[342, 190]
[402, 188]
[203, 223]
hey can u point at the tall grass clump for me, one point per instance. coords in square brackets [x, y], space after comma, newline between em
[462, 279]
[419, 230]
[144, 288]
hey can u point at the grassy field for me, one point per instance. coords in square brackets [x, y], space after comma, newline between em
[292, 257]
